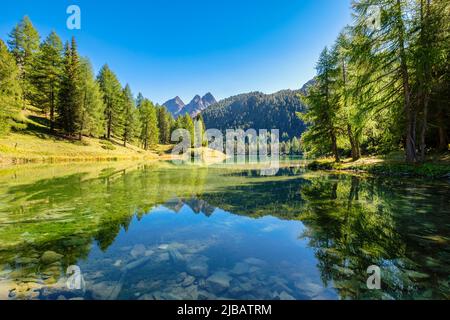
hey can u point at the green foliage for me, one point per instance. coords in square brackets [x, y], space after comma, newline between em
[10, 91]
[92, 119]
[112, 99]
[149, 134]
[323, 108]
[383, 89]
[107, 145]
[165, 124]
[130, 116]
[70, 111]
[46, 76]
[24, 44]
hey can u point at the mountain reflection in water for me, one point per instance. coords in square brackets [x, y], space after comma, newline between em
[165, 232]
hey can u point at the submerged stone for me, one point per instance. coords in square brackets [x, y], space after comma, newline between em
[240, 268]
[138, 250]
[198, 268]
[218, 282]
[285, 296]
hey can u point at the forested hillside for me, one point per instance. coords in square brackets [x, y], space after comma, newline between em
[258, 111]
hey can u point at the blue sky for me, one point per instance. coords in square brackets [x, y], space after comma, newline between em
[165, 48]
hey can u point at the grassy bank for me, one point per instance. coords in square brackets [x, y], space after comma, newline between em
[435, 167]
[34, 147]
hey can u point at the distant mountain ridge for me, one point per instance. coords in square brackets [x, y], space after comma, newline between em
[177, 107]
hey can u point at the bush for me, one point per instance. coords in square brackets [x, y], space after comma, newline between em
[107, 145]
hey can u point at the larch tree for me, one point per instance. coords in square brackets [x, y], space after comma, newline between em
[149, 134]
[130, 117]
[112, 99]
[10, 90]
[46, 76]
[92, 115]
[70, 94]
[24, 43]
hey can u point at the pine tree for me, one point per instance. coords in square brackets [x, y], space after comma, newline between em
[322, 104]
[46, 76]
[187, 124]
[112, 96]
[139, 99]
[10, 90]
[70, 95]
[130, 119]
[24, 44]
[164, 125]
[149, 124]
[200, 131]
[92, 116]
[347, 125]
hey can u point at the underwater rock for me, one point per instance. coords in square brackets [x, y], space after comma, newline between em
[163, 257]
[149, 253]
[49, 257]
[218, 282]
[138, 250]
[255, 262]
[240, 268]
[309, 288]
[136, 263]
[106, 290]
[163, 247]
[285, 296]
[198, 268]
[192, 292]
[147, 297]
[188, 281]
[176, 256]
[180, 278]
[205, 295]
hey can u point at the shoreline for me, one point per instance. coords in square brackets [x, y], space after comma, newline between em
[385, 167]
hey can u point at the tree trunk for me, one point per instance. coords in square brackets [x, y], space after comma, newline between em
[108, 134]
[410, 147]
[355, 153]
[52, 111]
[334, 147]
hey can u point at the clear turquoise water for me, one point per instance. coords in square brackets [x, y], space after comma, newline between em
[166, 232]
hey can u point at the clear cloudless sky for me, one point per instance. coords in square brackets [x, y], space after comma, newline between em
[165, 48]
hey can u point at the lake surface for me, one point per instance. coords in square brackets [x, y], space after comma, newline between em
[160, 231]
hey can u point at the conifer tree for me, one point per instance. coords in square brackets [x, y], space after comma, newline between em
[149, 124]
[112, 99]
[10, 90]
[322, 109]
[92, 116]
[70, 95]
[130, 118]
[24, 44]
[164, 125]
[46, 76]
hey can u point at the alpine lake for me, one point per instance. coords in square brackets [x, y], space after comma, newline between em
[163, 231]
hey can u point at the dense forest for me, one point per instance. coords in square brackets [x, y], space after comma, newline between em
[50, 78]
[258, 111]
[383, 88]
